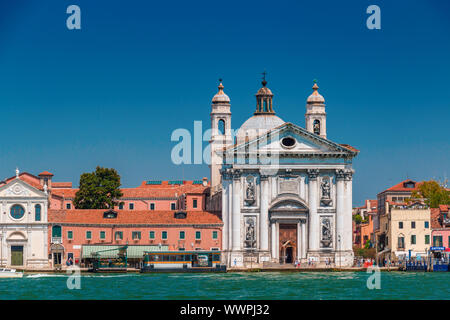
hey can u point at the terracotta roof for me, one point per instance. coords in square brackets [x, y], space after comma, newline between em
[434, 218]
[148, 191]
[130, 217]
[46, 173]
[29, 179]
[347, 146]
[400, 186]
[61, 184]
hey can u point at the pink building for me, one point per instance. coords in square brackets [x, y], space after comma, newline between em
[71, 230]
[440, 226]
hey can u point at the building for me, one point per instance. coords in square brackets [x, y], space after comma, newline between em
[23, 221]
[285, 191]
[74, 234]
[404, 232]
[363, 231]
[440, 227]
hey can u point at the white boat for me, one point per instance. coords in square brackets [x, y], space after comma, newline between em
[10, 273]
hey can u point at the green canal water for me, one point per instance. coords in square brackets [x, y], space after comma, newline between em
[263, 285]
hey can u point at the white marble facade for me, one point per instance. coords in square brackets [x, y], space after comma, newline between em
[23, 225]
[286, 191]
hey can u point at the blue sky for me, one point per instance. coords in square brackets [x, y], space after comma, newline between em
[111, 93]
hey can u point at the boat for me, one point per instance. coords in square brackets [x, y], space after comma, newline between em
[10, 273]
[182, 261]
[103, 262]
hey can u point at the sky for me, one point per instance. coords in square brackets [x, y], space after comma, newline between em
[112, 93]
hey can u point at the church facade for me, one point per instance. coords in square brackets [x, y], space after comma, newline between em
[286, 191]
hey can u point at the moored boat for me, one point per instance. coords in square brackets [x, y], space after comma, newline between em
[182, 261]
[10, 273]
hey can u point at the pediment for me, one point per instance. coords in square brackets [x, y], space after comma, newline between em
[292, 140]
[20, 189]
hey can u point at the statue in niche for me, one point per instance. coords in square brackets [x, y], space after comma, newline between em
[250, 191]
[326, 233]
[250, 239]
[326, 192]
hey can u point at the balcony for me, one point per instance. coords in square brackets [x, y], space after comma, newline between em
[56, 240]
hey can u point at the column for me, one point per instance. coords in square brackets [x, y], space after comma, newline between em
[340, 209]
[347, 217]
[230, 214]
[314, 229]
[264, 215]
[277, 239]
[299, 241]
[225, 215]
[274, 239]
[304, 240]
[236, 226]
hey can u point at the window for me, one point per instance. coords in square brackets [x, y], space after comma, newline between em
[164, 235]
[118, 235]
[152, 206]
[427, 224]
[152, 234]
[400, 225]
[427, 239]
[37, 212]
[102, 234]
[413, 224]
[136, 235]
[288, 142]
[437, 241]
[214, 234]
[194, 203]
[172, 206]
[88, 235]
[401, 242]
[17, 211]
[131, 206]
[68, 206]
[70, 235]
[387, 240]
[182, 235]
[181, 249]
[394, 199]
[198, 235]
[221, 127]
[121, 206]
[413, 239]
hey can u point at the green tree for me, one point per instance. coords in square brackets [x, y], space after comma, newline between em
[432, 193]
[357, 218]
[98, 189]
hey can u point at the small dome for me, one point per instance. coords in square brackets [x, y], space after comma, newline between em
[220, 96]
[258, 124]
[315, 97]
[264, 91]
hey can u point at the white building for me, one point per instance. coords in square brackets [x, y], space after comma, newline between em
[286, 191]
[23, 223]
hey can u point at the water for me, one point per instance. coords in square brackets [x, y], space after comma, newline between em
[263, 285]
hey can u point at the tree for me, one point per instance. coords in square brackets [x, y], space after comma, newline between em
[432, 193]
[357, 218]
[98, 189]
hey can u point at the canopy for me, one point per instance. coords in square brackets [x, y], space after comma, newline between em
[111, 251]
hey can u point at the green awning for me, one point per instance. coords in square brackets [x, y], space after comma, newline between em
[111, 251]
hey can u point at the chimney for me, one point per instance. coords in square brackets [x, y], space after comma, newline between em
[205, 181]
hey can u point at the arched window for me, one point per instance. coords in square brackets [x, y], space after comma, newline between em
[17, 211]
[37, 212]
[221, 126]
[316, 126]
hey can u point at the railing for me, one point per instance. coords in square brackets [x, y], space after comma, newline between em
[56, 240]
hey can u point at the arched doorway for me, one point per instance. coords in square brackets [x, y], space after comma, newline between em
[57, 252]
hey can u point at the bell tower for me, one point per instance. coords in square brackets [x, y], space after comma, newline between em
[221, 136]
[316, 117]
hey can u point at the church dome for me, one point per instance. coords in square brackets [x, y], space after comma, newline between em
[259, 124]
[315, 97]
[220, 96]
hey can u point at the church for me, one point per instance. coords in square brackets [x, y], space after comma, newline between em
[285, 191]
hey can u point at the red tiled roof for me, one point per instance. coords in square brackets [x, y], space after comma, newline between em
[61, 184]
[130, 217]
[347, 146]
[29, 179]
[434, 218]
[46, 173]
[400, 186]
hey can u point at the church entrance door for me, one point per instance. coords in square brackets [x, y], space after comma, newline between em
[288, 242]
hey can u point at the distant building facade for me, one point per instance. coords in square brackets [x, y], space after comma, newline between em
[363, 231]
[440, 225]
